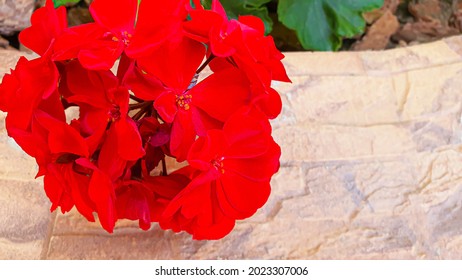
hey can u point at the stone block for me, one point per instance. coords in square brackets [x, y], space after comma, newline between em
[15, 15]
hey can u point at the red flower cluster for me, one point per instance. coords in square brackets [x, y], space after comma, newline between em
[111, 159]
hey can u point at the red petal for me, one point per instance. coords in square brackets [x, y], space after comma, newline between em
[101, 192]
[218, 8]
[34, 144]
[183, 135]
[222, 93]
[74, 39]
[79, 189]
[120, 17]
[8, 90]
[134, 202]
[206, 149]
[248, 133]
[165, 105]
[270, 103]
[109, 161]
[129, 145]
[37, 80]
[197, 211]
[101, 57]
[227, 207]
[245, 195]
[175, 63]
[203, 122]
[54, 189]
[47, 23]
[143, 85]
[254, 23]
[156, 23]
[150, 35]
[198, 28]
[90, 85]
[62, 138]
[226, 39]
[259, 168]
[169, 186]
[215, 231]
[53, 106]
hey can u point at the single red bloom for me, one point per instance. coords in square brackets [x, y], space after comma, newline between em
[234, 167]
[192, 109]
[29, 85]
[102, 101]
[82, 184]
[47, 23]
[102, 194]
[62, 156]
[145, 201]
[241, 43]
[125, 27]
[66, 188]
[213, 27]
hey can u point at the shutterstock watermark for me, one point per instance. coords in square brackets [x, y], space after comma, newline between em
[210, 271]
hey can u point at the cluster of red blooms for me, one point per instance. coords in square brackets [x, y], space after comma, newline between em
[111, 159]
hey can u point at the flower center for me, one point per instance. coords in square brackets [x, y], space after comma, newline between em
[114, 112]
[183, 100]
[125, 36]
[218, 165]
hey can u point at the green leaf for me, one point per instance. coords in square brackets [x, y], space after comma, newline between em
[321, 24]
[236, 8]
[64, 2]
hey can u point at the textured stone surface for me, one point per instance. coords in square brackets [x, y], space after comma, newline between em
[24, 219]
[371, 168]
[15, 15]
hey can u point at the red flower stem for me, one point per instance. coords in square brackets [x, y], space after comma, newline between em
[209, 59]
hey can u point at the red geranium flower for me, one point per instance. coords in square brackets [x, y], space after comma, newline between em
[145, 201]
[47, 24]
[29, 86]
[192, 109]
[241, 43]
[234, 167]
[103, 102]
[103, 141]
[123, 28]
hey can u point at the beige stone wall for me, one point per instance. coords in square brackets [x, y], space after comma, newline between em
[15, 15]
[371, 169]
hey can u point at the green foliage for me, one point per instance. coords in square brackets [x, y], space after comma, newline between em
[64, 2]
[321, 24]
[236, 8]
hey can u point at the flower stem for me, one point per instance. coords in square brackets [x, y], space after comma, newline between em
[137, 105]
[137, 99]
[209, 59]
[164, 167]
[145, 108]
